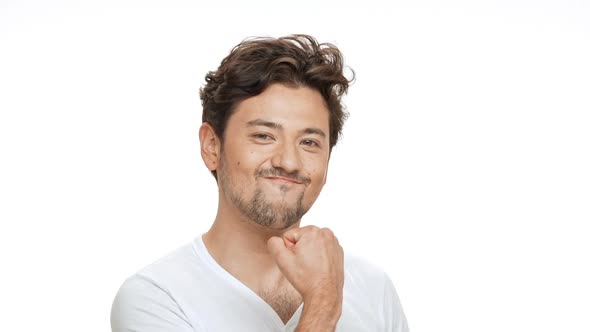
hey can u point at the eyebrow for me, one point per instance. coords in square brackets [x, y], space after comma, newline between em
[264, 123]
[278, 126]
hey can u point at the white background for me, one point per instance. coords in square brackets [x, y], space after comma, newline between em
[463, 170]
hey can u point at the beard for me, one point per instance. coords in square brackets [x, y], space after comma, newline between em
[268, 214]
[259, 209]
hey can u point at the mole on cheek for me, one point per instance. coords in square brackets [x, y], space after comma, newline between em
[238, 163]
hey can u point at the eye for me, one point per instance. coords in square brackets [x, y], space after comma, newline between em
[262, 137]
[310, 142]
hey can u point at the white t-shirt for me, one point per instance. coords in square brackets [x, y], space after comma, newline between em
[187, 291]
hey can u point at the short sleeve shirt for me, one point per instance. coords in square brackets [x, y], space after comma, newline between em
[188, 291]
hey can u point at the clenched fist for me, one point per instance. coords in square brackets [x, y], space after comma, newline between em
[313, 261]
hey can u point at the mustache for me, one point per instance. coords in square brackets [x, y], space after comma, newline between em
[282, 173]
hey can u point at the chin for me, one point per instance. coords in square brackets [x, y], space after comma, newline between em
[284, 224]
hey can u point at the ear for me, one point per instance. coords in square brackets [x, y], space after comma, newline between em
[210, 146]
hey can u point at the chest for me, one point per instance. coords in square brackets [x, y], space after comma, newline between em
[284, 302]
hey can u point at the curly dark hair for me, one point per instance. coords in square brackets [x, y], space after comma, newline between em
[257, 62]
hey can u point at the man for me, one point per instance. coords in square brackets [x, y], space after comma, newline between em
[271, 116]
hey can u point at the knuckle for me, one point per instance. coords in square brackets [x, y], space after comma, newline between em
[327, 232]
[309, 228]
[313, 229]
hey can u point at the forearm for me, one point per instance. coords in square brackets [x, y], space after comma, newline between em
[320, 315]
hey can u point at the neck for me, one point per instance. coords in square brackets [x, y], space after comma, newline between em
[239, 246]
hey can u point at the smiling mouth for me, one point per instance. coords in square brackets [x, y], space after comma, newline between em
[282, 179]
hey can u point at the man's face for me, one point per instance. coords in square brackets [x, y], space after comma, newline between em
[274, 157]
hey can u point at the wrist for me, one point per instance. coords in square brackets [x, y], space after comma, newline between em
[326, 296]
[329, 308]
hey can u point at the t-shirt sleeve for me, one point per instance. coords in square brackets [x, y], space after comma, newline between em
[142, 306]
[395, 319]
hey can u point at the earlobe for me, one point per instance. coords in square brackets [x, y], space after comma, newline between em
[210, 146]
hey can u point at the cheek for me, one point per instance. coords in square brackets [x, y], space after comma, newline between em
[318, 179]
[318, 170]
[247, 163]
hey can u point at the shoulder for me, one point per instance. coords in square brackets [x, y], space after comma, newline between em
[147, 298]
[142, 304]
[166, 273]
[138, 291]
[366, 282]
[171, 264]
[363, 271]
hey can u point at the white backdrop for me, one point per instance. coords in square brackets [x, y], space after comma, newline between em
[463, 170]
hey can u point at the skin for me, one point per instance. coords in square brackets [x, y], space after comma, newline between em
[271, 167]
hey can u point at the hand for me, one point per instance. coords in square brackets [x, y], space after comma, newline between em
[313, 261]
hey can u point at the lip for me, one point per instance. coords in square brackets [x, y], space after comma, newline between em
[282, 179]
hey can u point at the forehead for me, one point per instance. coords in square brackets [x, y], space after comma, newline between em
[292, 107]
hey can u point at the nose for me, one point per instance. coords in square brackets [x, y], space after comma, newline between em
[287, 157]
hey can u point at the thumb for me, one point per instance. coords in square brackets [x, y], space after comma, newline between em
[278, 250]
